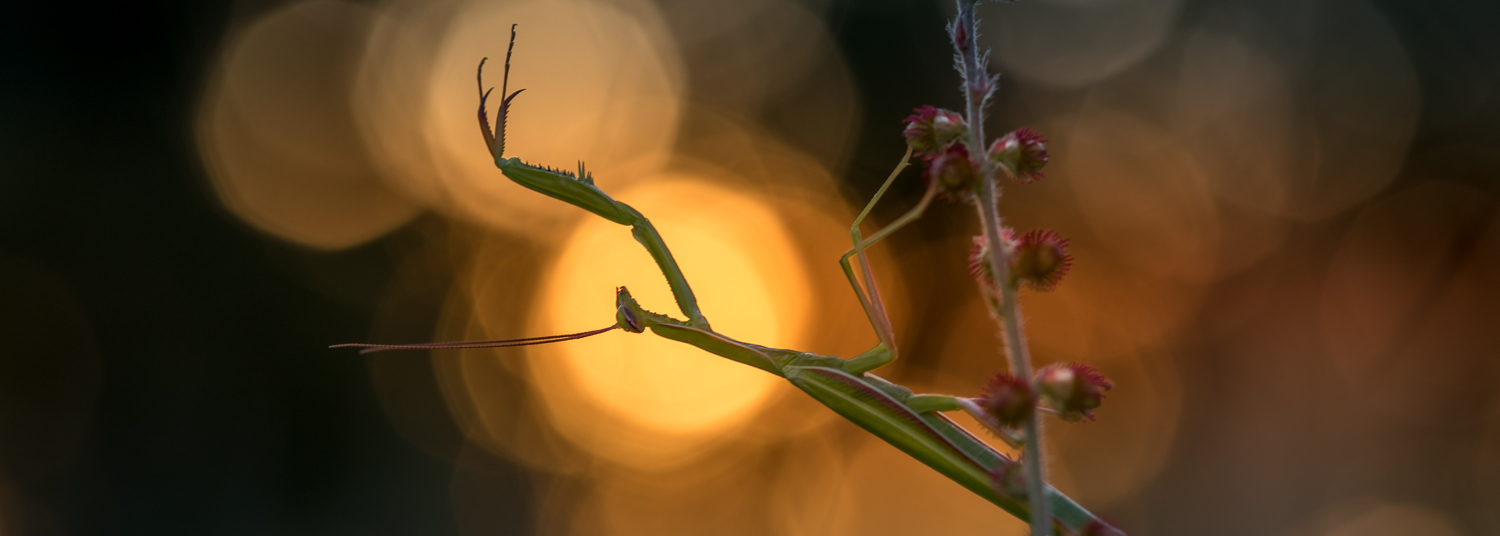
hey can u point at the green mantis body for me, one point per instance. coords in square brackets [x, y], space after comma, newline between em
[910, 422]
[913, 423]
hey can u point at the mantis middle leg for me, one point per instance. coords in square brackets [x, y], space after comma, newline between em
[870, 300]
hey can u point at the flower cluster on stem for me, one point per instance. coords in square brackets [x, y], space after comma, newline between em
[962, 166]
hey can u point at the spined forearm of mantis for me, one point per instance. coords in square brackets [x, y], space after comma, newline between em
[913, 423]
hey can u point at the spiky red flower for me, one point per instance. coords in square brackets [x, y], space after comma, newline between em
[1041, 259]
[953, 172]
[929, 130]
[1073, 389]
[1008, 399]
[1038, 259]
[1022, 151]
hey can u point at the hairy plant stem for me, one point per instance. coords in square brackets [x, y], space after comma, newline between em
[977, 88]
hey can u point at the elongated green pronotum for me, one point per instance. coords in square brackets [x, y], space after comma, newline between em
[913, 423]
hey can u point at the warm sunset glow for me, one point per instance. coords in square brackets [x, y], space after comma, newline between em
[750, 284]
[883, 486]
[602, 85]
[1283, 220]
[1068, 43]
[278, 139]
[1369, 517]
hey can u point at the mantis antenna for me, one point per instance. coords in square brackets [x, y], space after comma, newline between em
[625, 318]
[498, 343]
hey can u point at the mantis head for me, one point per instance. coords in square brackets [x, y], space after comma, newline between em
[628, 314]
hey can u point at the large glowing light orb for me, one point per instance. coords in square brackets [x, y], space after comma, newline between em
[642, 398]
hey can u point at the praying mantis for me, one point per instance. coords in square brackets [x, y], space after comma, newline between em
[914, 423]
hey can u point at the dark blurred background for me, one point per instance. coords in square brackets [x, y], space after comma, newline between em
[1283, 213]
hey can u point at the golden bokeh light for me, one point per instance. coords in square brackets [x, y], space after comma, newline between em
[1380, 518]
[749, 282]
[278, 137]
[1363, 104]
[531, 407]
[1235, 112]
[766, 470]
[602, 84]
[1235, 107]
[1398, 316]
[889, 493]
[1073, 43]
[744, 490]
[752, 67]
[1143, 195]
[804, 482]
[1105, 311]
[773, 60]
[682, 502]
[1486, 472]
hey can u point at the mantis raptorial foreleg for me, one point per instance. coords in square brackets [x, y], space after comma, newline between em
[579, 190]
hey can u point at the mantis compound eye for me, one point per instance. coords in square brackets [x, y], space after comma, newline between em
[628, 319]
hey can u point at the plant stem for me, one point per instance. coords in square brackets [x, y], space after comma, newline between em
[1020, 358]
[977, 88]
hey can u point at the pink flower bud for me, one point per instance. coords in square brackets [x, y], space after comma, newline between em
[953, 171]
[929, 130]
[1008, 399]
[1073, 389]
[958, 34]
[1023, 152]
[1039, 259]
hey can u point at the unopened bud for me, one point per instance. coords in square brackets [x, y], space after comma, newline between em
[953, 172]
[1023, 152]
[1073, 389]
[929, 130]
[1041, 259]
[958, 34]
[1008, 399]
